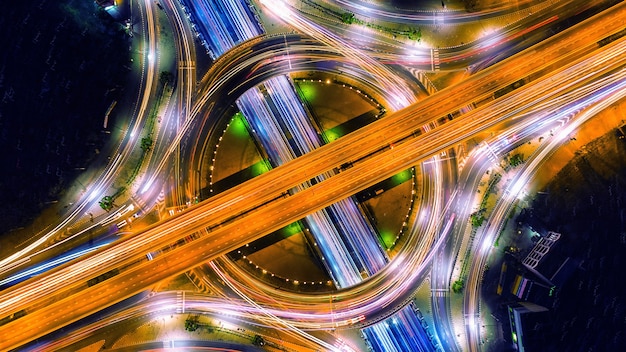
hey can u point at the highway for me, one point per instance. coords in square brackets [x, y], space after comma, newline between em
[602, 95]
[543, 21]
[119, 155]
[459, 58]
[390, 13]
[389, 161]
[257, 320]
[560, 10]
[546, 116]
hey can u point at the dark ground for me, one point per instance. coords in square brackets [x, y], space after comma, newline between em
[586, 203]
[61, 66]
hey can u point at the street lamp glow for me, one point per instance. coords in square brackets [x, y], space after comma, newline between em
[492, 40]
[147, 186]
[93, 195]
[516, 188]
[277, 7]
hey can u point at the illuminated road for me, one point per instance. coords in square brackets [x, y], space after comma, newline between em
[597, 98]
[425, 17]
[546, 20]
[119, 156]
[256, 320]
[458, 57]
[60, 306]
[548, 115]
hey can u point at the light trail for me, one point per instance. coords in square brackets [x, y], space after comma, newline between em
[403, 96]
[604, 95]
[402, 154]
[111, 171]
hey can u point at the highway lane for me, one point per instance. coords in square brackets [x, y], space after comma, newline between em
[119, 155]
[484, 238]
[186, 76]
[440, 276]
[384, 76]
[542, 22]
[193, 257]
[237, 279]
[394, 14]
[563, 9]
[186, 90]
[317, 313]
[184, 54]
[305, 54]
[190, 224]
[479, 161]
[279, 60]
[545, 116]
[275, 104]
[256, 320]
[175, 117]
[273, 64]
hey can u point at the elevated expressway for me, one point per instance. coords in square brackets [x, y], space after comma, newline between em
[170, 302]
[262, 205]
[606, 92]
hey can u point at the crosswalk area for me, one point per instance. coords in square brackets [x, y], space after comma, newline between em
[422, 79]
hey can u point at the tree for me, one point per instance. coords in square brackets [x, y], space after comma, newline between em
[477, 219]
[347, 17]
[146, 143]
[458, 285]
[516, 160]
[106, 203]
[191, 323]
[165, 77]
[258, 340]
[415, 34]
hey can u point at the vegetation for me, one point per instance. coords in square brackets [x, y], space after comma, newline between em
[415, 34]
[165, 78]
[146, 143]
[552, 291]
[191, 323]
[458, 285]
[257, 340]
[516, 160]
[347, 17]
[106, 203]
[478, 217]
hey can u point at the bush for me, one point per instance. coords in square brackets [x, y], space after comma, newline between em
[191, 323]
[347, 17]
[106, 203]
[457, 286]
[258, 340]
[477, 219]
